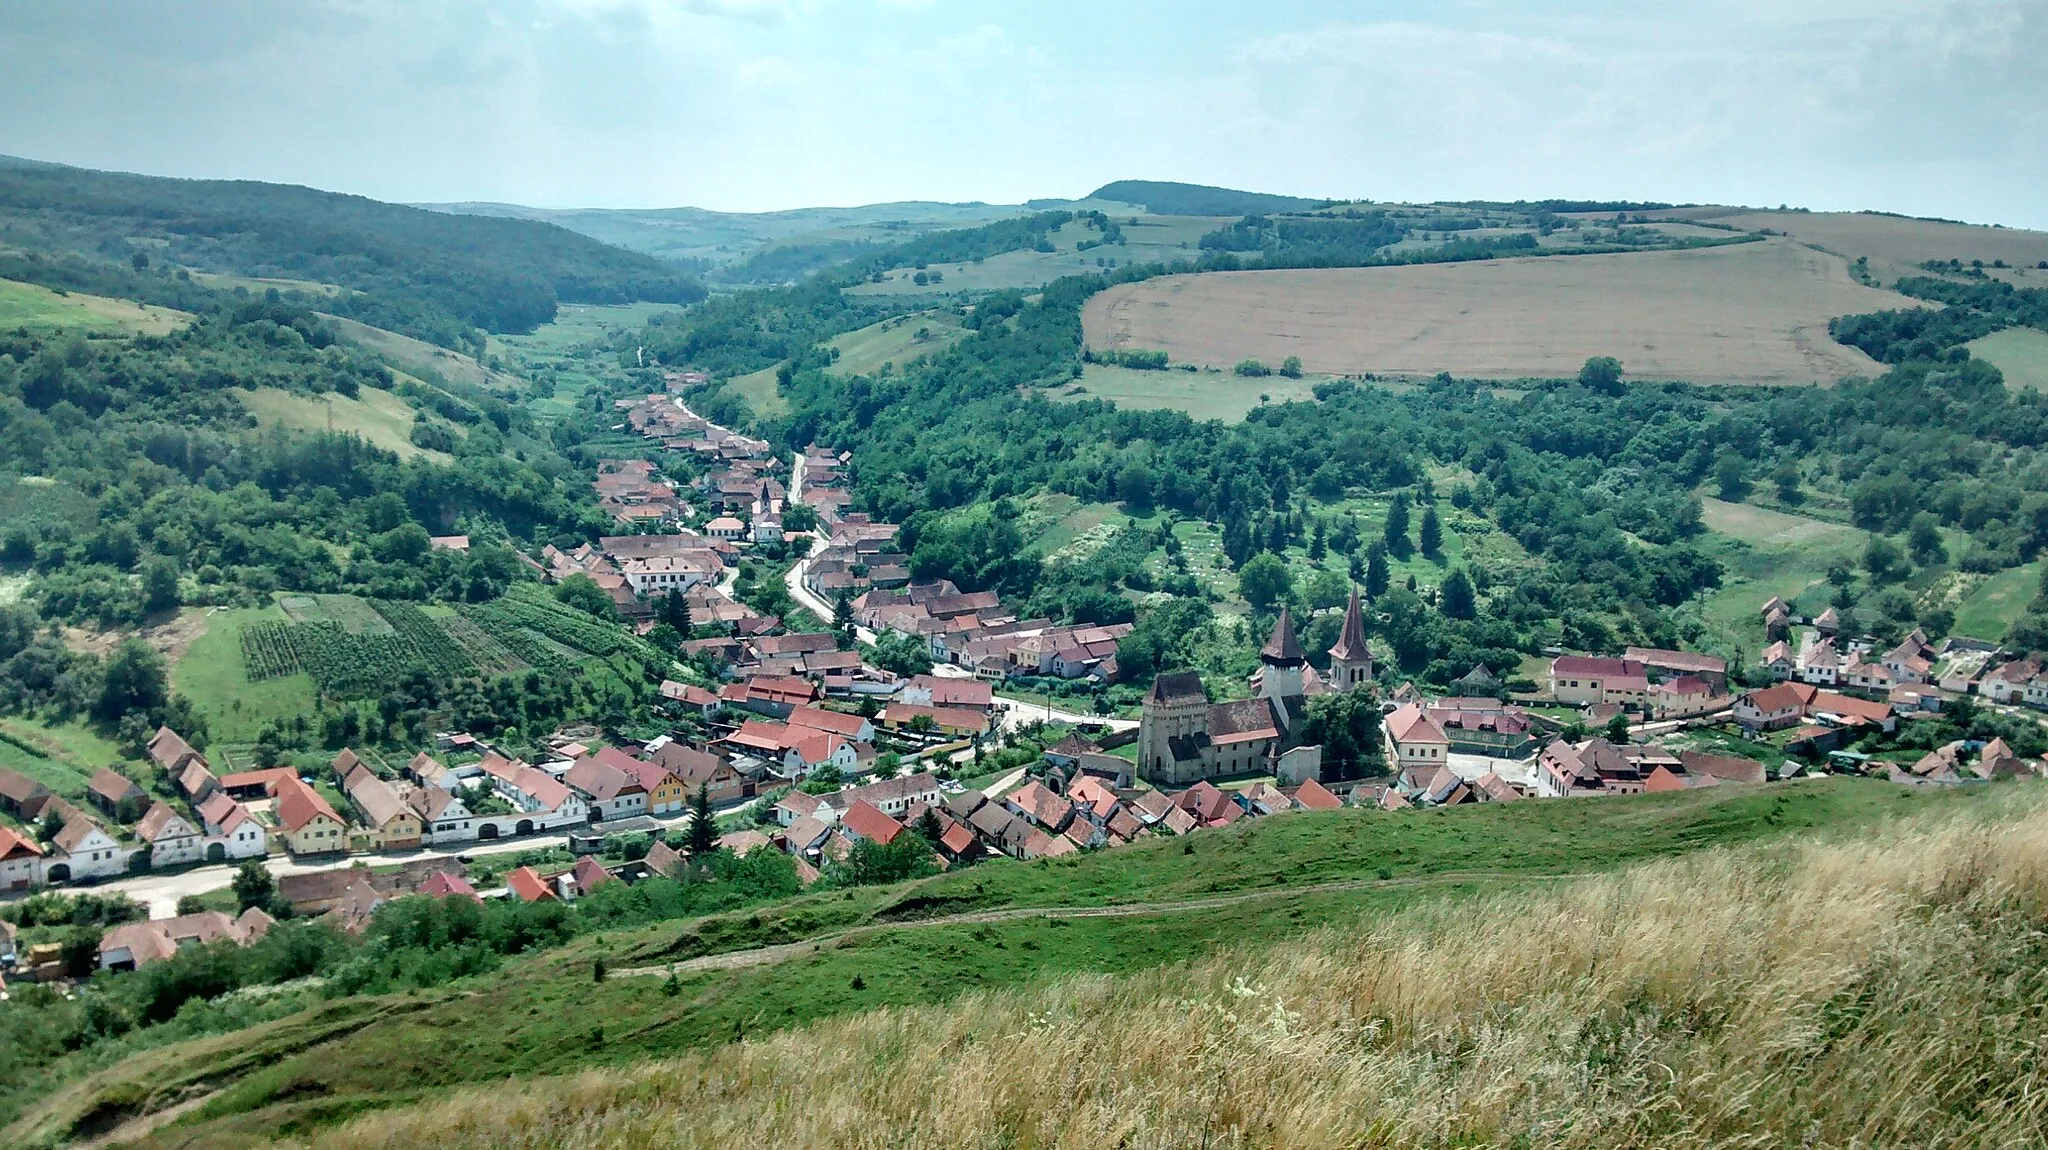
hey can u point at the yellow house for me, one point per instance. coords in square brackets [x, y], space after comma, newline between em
[665, 792]
[393, 825]
[305, 821]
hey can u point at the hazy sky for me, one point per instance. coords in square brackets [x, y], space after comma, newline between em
[1924, 107]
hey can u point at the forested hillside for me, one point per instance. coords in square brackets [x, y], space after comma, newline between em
[428, 274]
[1166, 198]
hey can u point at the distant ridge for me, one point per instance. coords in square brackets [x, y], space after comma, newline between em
[1165, 198]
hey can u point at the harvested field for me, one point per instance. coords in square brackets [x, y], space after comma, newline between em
[1895, 245]
[1748, 313]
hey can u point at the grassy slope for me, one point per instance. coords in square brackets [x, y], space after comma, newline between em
[1203, 394]
[759, 389]
[864, 350]
[1993, 604]
[1878, 990]
[212, 674]
[381, 418]
[2020, 352]
[1769, 553]
[419, 357]
[40, 309]
[541, 1016]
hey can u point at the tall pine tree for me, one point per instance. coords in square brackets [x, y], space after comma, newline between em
[1396, 534]
[1432, 533]
[703, 830]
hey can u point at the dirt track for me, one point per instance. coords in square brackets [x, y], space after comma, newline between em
[768, 955]
[1748, 313]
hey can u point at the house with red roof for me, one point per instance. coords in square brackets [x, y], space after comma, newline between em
[587, 875]
[526, 885]
[306, 821]
[21, 861]
[441, 884]
[172, 840]
[865, 820]
[1588, 680]
[1415, 740]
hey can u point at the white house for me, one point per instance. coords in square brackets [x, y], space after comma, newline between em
[231, 831]
[82, 851]
[173, 841]
[21, 862]
[443, 817]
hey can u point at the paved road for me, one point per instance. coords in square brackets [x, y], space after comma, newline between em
[767, 955]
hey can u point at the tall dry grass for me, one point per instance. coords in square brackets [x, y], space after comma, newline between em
[1886, 991]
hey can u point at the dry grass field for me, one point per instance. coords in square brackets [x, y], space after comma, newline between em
[1750, 313]
[1895, 245]
[1875, 991]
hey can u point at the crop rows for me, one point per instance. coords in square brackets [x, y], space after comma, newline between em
[268, 651]
[437, 652]
[491, 655]
[529, 608]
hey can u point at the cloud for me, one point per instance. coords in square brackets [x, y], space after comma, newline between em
[1914, 105]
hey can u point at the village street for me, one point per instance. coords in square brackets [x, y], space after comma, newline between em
[161, 892]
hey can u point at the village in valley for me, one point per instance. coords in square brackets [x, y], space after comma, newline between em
[799, 743]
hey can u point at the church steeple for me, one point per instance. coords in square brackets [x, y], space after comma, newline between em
[1350, 658]
[1282, 649]
[1281, 664]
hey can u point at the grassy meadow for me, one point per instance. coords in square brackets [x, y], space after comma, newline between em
[895, 341]
[215, 677]
[1766, 553]
[380, 417]
[1873, 990]
[40, 309]
[2020, 352]
[905, 947]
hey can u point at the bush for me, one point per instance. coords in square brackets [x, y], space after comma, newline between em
[1252, 368]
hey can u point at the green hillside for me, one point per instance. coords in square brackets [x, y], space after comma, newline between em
[428, 274]
[1170, 901]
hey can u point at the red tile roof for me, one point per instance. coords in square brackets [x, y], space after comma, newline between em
[526, 886]
[299, 804]
[867, 820]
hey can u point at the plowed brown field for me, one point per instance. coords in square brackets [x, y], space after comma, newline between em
[1747, 313]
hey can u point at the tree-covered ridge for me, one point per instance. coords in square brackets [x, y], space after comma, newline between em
[1167, 198]
[166, 475]
[426, 273]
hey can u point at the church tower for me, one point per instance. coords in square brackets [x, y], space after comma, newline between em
[1281, 660]
[1177, 708]
[1350, 659]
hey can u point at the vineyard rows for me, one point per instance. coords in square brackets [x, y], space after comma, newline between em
[356, 649]
[439, 653]
[267, 651]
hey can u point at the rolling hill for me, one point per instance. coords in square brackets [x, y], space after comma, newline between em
[428, 274]
[1165, 198]
[1742, 313]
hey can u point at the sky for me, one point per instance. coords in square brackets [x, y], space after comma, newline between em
[1917, 106]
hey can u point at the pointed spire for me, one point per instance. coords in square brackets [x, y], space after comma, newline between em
[1350, 646]
[1283, 648]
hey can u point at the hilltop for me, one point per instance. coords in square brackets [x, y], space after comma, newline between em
[1871, 990]
[1166, 198]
